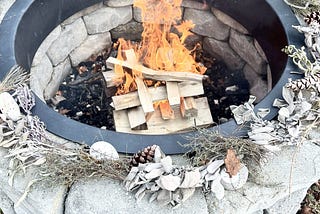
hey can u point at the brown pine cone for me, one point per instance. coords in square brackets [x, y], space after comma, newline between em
[305, 83]
[144, 156]
[313, 16]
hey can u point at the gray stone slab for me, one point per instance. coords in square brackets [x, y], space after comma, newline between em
[71, 37]
[108, 196]
[226, 19]
[305, 167]
[81, 13]
[199, 5]
[288, 205]
[40, 76]
[43, 48]
[135, 29]
[206, 24]
[223, 51]
[106, 18]
[92, 45]
[118, 3]
[59, 73]
[244, 46]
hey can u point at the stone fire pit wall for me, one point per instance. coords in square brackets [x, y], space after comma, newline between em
[93, 29]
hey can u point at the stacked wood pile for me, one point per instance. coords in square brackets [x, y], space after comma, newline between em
[175, 107]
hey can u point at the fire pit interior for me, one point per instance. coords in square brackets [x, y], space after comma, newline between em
[209, 42]
[242, 37]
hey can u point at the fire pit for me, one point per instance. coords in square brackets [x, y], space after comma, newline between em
[22, 34]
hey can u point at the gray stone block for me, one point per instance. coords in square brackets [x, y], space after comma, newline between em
[130, 31]
[244, 46]
[40, 75]
[106, 18]
[118, 3]
[199, 5]
[92, 45]
[71, 37]
[108, 196]
[59, 73]
[206, 24]
[222, 51]
[226, 19]
[43, 48]
[81, 13]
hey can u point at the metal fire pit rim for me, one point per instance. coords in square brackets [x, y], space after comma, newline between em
[123, 142]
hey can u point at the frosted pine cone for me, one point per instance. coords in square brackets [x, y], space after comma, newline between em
[144, 156]
[313, 16]
[305, 83]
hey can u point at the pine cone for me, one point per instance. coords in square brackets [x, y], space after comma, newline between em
[144, 156]
[313, 16]
[305, 83]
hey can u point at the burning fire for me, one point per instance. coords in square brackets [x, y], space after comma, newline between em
[160, 48]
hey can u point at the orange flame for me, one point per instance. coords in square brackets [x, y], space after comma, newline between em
[160, 49]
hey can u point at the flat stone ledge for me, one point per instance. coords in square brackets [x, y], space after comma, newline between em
[108, 196]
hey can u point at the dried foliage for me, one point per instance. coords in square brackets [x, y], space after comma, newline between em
[66, 166]
[207, 144]
[303, 7]
[16, 77]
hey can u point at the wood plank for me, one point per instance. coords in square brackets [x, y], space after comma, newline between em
[186, 89]
[136, 117]
[173, 93]
[156, 125]
[144, 96]
[190, 88]
[188, 107]
[166, 111]
[149, 73]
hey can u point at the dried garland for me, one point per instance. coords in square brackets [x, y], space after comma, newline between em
[217, 162]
